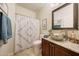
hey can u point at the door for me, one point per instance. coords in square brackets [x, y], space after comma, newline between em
[45, 48]
[60, 51]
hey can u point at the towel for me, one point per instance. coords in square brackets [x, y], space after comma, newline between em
[5, 29]
[9, 30]
[0, 25]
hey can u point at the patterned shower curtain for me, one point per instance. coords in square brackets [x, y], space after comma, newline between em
[27, 31]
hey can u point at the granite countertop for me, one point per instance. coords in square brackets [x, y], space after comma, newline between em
[66, 44]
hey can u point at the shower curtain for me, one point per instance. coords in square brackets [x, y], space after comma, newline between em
[27, 31]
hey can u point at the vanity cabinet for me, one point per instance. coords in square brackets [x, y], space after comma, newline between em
[51, 49]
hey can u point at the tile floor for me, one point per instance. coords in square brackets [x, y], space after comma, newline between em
[29, 52]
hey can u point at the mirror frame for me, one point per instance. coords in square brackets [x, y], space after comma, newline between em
[75, 16]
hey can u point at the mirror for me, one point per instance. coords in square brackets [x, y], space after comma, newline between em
[65, 16]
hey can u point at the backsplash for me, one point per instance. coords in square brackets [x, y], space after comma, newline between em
[67, 32]
[73, 35]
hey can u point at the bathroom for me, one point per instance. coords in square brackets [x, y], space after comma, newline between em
[34, 32]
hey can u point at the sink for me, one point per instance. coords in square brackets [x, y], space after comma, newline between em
[58, 37]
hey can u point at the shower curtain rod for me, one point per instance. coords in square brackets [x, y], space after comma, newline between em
[3, 11]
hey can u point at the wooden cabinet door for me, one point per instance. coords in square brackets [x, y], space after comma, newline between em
[59, 51]
[45, 48]
[51, 49]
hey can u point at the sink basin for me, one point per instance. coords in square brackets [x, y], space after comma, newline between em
[58, 37]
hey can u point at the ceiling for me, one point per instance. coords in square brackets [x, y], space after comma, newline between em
[36, 6]
[33, 6]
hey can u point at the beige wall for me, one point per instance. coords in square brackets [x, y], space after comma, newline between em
[24, 11]
[46, 12]
[8, 49]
